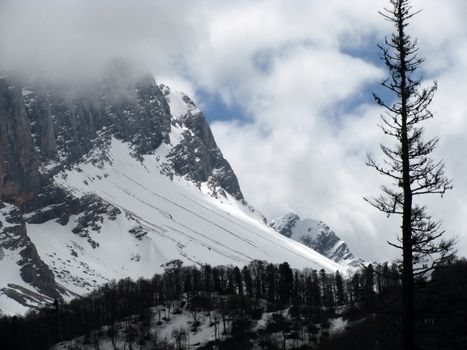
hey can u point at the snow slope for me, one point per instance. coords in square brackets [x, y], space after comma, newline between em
[17, 269]
[132, 212]
[178, 220]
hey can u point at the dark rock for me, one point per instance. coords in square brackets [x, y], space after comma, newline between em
[33, 270]
[53, 203]
[91, 216]
[47, 128]
[285, 224]
[138, 232]
[198, 157]
[38, 110]
[26, 297]
[19, 168]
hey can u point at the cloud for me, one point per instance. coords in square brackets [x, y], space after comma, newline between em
[305, 147]
[68, 39]
[299, 73]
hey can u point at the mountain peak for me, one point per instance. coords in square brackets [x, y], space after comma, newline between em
[115, 180]
[316, 235]
[284, 224]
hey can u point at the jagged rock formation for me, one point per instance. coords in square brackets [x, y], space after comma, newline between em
[45, 129]
[15, 245]
[197, 155]
[111, 179]
[19, 166]
[316, 235]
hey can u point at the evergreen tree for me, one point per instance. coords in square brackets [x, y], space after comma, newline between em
[340, 293]
[257, 273]
[408, 164]
[216, 277]
[326, 288]
[238, 281]
[368, 282]
[286, 281]
[297, 289]
[270, 282]
[230, 281]
[355, 283]
[207, 277]
[248, 281]
[315, 291]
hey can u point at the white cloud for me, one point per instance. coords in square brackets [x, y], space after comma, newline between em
[76, 38]
[312, 160]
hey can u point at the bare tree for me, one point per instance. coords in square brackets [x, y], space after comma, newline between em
[407, 162]
[112, 333]
[180, 336]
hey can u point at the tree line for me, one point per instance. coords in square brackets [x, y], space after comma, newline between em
[233, 297]
[308, 291]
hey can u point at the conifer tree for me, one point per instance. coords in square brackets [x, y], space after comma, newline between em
[408, 163]
[340, 293]
[285, 283]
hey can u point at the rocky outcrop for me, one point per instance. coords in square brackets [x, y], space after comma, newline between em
[197, 156]
[14, 239]
[285, 224]
[19, 166]
[67, 122]
[91, 217]
[46, 129]
[52, 203]
[38, 110]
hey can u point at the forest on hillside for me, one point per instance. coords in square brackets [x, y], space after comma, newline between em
[259, 306]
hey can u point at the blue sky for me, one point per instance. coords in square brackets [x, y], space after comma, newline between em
[215, 108]
[285, 84]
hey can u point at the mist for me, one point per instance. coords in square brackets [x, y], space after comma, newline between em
[76, 39]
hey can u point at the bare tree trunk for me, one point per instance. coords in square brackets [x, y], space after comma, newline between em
[407, 247]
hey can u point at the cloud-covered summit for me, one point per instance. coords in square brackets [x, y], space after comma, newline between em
[69, 39]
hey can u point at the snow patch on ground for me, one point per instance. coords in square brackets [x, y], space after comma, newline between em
[338, 325]
[183, 321]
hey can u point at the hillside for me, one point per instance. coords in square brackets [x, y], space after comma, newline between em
[113, 179]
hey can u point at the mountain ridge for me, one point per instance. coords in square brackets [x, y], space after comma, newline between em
[108, 182]
[318, 236]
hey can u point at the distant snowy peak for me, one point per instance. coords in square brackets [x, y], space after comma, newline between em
[285, 224]
[316, 235]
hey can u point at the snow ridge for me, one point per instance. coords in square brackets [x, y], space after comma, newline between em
[316, 235]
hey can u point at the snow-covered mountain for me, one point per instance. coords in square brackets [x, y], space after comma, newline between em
[114, 179]
[316, 235]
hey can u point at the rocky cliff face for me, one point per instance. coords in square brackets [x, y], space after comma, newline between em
[19, 165]
[46, 129]
[112, 179]
[197, 155]
[316, 235]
